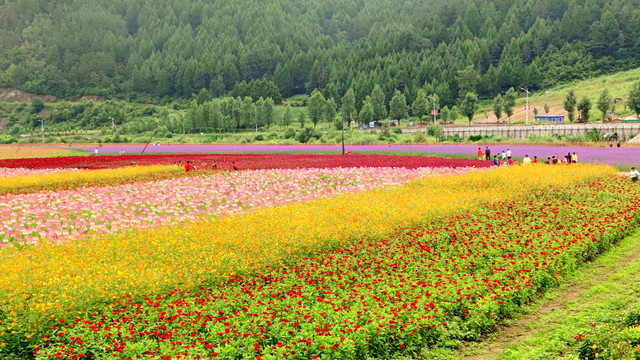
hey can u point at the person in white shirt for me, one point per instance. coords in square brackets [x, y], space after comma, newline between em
[508, 153]
[526, 160]
[634, 174]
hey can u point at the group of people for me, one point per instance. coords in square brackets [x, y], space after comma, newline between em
[504, 158]
[189, 165]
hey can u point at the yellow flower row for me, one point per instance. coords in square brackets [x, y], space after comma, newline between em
[28, 152]
[44, 281]
[73, 179]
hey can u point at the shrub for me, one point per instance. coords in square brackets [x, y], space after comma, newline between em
[308, 134]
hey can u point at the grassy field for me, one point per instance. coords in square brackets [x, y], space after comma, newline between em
[618, 85]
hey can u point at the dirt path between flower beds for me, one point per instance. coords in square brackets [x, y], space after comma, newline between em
[522, 328]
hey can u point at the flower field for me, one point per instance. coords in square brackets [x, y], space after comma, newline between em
[244, 161]
[18, 153]
[303, 257]
[172, 196]
[624, 156]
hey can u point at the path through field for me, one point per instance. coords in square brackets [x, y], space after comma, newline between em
[602, 290]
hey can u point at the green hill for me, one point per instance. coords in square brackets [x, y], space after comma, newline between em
[151, 50]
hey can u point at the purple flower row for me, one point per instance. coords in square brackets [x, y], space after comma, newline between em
[600, 155]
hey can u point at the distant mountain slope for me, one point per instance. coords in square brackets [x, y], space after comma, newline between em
[152, 49]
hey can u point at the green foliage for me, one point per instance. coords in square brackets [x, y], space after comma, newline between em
[302, 118]
[348, 108]
[584, 106]
[308, 134]
[419, 107]
[508, 102]
[634, 98]
[604, 102]
[435, 131]
[366, 113]
[569, 104]
[398, 106]
[379, 102]
[546, 108]
[469, 105]
[497, 106]
[287, 117]
[316, 107]
[37, 105]
[166, 50]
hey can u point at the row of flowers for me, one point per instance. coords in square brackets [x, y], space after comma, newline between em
[44, 180]
[84, 275]
[427, 285]
[243, 161]
[73, 214]
[26, 152]
[14, 172]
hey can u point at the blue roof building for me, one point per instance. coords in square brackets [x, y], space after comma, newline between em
[558, 119]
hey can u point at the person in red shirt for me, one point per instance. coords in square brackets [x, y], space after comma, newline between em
[480, 154]
[189, 166]
[234, 166]
[535, 160]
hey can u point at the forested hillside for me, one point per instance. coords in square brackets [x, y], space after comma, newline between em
[167, 49]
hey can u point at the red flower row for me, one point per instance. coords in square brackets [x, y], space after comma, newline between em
[243, 161]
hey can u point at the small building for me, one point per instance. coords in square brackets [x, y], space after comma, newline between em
[557, 119]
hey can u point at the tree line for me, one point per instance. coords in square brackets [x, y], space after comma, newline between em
[152, 50]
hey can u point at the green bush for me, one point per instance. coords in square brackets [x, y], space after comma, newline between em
[307, 135]
[290, 133]
[419, 137]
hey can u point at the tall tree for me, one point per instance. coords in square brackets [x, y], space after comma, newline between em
[379, 102]
[302, 118]
[584, 106]
[634, 98]
[268, 108]
[316, 107]
[508, 102]
[330, 110]
[469, 106]
[604, 103]
[287, 117]
[419, 107]
[569, 105]
[348, 108]
[497, 107]
[366, 113]
[398, 106]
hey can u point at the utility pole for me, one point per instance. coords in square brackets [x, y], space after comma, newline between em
[434, 109]
[113, 126]
[527, 106]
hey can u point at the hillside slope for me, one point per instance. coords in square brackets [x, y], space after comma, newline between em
[154, 49]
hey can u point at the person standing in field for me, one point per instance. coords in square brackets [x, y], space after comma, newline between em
[634, 174]
[508, 153]
[574, 158]
[480, 154]
[95, 151]
[487, 153]
[526, 160]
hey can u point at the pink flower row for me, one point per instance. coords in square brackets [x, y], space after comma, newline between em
[9, 172]
[73, 214]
